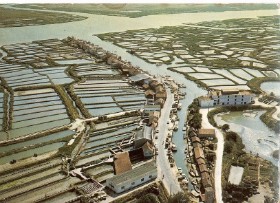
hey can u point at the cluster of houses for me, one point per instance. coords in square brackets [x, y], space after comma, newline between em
[226, 97]
[154, 90]
[126, 177]
[207, 190]
[104, 56]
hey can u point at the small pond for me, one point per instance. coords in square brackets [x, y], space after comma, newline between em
[256, 136]
[273, 86]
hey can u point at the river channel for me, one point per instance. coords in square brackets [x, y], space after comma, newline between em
[97, 24]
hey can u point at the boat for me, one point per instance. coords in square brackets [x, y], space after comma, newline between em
[176, 126]
[131, 51]
[194, 193]
[174, 148]
[192, 174]
[194, 182]
[158, 64]
[197, 188]
[179, 106]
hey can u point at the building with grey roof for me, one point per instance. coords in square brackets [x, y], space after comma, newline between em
[139, 78]
[142, 136]
[133, 178]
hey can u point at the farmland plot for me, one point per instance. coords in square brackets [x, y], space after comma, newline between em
[21, 76]
[102, 97]
[35, 112]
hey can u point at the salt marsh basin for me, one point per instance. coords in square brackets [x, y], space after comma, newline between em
[256, 136]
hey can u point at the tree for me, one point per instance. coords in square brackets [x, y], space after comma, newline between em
[225, 127]
[179, 198]
[228, 147]
[148, 198]
[231, 136]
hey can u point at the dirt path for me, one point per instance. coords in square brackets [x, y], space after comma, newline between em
[219, 155]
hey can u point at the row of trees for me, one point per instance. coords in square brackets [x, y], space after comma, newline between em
[194, 118]
[181, 197]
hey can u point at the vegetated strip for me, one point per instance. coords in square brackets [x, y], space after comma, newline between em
[71, 110]
[255, 84]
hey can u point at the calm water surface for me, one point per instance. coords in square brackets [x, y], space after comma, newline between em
[97, 24]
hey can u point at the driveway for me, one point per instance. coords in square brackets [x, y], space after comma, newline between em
[165, 173]
[219, 155]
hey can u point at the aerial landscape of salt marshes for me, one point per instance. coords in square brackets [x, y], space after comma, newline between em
[71, 107]
[214, 52]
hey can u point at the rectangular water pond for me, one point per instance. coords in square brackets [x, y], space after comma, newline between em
[39, 140]
[217, 82]
[36, 128]
[76, 61]
[31, 152]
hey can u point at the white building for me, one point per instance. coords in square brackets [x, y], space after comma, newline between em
[133, 178]
[226, 98]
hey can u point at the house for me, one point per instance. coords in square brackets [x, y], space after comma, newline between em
[160, 102]
[205, 179]
[145, 86]
[198, 153]
[192, 133]
[226, 98]
[154, 84]
[151, 108]
[153, 118]
[148, 150]
[200, 161]
[159, 88]
[206, 133]
[149, 94]
[196, 144]
[161, 95]
[139, 78]
[122, 163]
[142, 136]
[202, 168]
[133, 178]
[195, 139]
[206, 101]
[209, 195]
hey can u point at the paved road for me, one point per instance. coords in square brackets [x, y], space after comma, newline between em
[219, 155]
[169, 180]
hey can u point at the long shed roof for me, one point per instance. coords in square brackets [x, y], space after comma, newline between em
[134, 174]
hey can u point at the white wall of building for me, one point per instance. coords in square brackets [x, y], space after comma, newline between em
[206, 103]
[129, 184]
[227, 100]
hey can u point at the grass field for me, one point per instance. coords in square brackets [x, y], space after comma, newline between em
[19, 18]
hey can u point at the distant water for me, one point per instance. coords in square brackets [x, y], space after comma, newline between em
[273, 86]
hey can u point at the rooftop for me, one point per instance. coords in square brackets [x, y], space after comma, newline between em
[229, 92]
[198, 152]
[206, 132]
[195, 139]
[152, 107]
[139, 77]
[134, 174]
[145, 132]
[122, 163]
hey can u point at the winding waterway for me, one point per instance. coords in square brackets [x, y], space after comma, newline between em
[97, 24]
